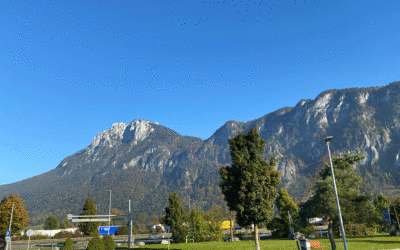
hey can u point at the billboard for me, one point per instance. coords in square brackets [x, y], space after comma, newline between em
[104, 230]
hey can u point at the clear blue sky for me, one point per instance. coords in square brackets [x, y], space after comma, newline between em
[70, 69]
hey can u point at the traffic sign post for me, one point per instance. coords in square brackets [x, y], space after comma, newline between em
[167, 228]
[29, 233]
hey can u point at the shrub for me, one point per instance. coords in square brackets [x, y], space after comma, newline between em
[108, 242]
[39, 237]
[66, 234]
[358, 229]
[68, 244]
[123, 230]
[95, 244]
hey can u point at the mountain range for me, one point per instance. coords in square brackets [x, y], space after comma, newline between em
[145, 161]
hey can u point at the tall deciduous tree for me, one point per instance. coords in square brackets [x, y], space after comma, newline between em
[214, 217]
[89, 228]
[198, 227]
[20, 215]
[355, 207]
[249, 185]
[51, 223]
[174, 217]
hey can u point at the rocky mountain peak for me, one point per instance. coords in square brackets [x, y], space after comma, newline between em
[227, 131]
[137, 131]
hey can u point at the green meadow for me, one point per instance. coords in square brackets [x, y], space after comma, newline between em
[353, 243]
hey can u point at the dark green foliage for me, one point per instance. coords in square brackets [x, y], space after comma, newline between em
[89, 228]
[51, 223]
[68, 244]
[162, 220]
[174, 217]
[64, 223]
[108, 242]
[122, 230]
[95, 244]
[250, 184]
[279, 226]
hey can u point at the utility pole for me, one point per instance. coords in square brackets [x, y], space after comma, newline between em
[9, 228]
[109, 213]
[130, 226]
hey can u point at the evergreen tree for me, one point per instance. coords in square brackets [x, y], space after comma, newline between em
[250, 184]
[64, 223]
[95, 244]
[174, 217]
[108, 242]
[162, 220]
[51, 223]
[68, 244]
[19, 218]
[89, 228]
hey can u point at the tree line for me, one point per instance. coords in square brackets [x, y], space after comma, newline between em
[251, 190]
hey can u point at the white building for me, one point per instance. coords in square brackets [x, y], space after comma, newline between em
[51, 233]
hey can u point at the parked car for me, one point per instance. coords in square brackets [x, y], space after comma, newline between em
[154, 236]
[311, 236]
[229, 239]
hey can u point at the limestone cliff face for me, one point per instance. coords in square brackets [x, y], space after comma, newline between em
[365, 119]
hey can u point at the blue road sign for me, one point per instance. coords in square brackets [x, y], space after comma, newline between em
[104, 230]
[167, 228]
[8, 233]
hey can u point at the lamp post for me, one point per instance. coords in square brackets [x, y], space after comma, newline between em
[328, 139]
[109, 213]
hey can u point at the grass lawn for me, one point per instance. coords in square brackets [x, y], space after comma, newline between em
[353, 243]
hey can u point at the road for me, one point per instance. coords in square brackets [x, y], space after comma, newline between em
[24, 245]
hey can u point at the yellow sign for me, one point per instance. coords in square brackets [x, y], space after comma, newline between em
[227, 225]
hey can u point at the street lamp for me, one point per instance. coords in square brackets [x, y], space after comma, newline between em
[109, 217]
[328, 139]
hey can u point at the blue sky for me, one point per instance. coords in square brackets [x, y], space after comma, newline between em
[70, 69]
